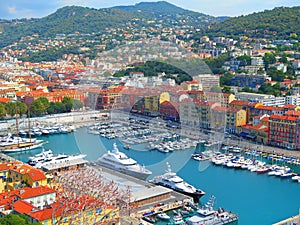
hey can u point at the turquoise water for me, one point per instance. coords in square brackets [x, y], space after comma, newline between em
[257, 199]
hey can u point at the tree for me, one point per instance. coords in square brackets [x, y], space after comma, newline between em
[68, 102]
[45, 102]
[12, 219]
[21, 108]
[10, 108]
[77, 104]
[226, 79]
[59, 107]
[245, 60]
[227, 89]
[269, 58]
[2, 111]
[37, 108]
[51, 108]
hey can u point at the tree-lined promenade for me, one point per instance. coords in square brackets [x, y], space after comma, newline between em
[38, 107]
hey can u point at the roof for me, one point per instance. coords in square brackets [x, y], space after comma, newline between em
[23, 207]
[33, 173]
[149, 193]
[239, 103]
[290, 118]
[25, 193]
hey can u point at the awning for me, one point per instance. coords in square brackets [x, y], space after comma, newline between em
[243, 134]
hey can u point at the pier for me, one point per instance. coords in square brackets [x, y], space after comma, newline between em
[294, 220]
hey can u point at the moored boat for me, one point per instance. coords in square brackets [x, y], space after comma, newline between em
[171, 180]
[119, 161]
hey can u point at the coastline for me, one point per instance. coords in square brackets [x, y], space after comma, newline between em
[87, 118]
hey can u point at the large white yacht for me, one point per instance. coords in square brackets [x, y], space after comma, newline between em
[171, 180]
[118, 161]
[46, 159]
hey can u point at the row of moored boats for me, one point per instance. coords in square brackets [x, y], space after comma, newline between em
[254, 165]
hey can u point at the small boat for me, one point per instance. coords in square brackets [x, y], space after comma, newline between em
[126, 146]
[177, 219]
[149, 219]
[163, 216]
[262, 169]
[296, 178]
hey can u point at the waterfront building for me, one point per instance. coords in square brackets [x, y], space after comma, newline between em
[218, 119]
[169, 110]
[284, 130]
[234, 119]
[188, 113]
[108, 98]
[223, 98]
[16, 174]
[53, 96]
[204, 109]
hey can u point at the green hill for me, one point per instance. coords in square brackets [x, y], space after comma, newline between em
[72, 19]
[278, 23]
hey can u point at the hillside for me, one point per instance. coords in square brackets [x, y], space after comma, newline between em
[278, 23]
[71, 19]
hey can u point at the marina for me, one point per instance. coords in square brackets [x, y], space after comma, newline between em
[268, 198]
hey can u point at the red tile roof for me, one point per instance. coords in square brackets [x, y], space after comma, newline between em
[239, 103]
[23, 207]
[25, 193]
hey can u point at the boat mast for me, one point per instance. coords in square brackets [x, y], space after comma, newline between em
[28, 116]
[17, 124]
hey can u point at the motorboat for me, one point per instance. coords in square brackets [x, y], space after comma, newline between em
[177, 219]
[208, 215]
[199, 157]
[120, 162]
[163, 216]
[40, 157]
[59, 159]
[171, 180]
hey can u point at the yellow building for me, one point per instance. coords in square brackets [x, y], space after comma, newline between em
[151, 103]
[234, 119]
[191, 85]
[223, 98]
[17, 174]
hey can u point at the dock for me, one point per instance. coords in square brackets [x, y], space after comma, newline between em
[294, 220]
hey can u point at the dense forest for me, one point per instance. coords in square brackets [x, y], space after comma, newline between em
[279, 23]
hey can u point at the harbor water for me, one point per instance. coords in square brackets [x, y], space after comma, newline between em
[258, 199]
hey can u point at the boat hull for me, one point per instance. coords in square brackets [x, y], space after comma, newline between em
[195, 195]
[137, 174]
[22, 149]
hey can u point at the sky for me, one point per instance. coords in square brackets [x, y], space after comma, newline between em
[11, 9]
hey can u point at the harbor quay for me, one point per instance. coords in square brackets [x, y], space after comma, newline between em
[294, 220]
[77, 119]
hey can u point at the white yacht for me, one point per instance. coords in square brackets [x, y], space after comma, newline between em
[171, 180]
[208, 215]
[118, 161]
[59, 159]
[40, 157]
[11, 143]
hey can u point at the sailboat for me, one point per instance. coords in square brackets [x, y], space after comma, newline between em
[11, 143]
